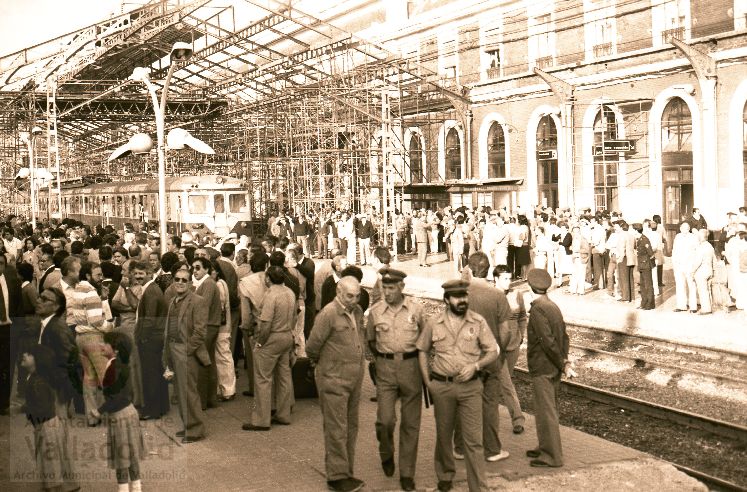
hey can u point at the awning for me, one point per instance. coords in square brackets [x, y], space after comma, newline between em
[425, 188]
[486, 185]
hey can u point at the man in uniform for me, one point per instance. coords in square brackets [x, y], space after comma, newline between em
[336, 347]
[462, 344]
[274, 342]
[393, 329]
[547, 357]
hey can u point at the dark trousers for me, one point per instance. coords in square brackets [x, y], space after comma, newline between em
[545, 389]
[625, 273]
[207, 382]
[8, 357]
[647, 290]
[155, 387]
[309, 315]
[660, 274]
[511, 261]
[321, 244]
[598, 270]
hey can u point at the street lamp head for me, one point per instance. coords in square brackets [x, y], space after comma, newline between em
[181, 52]
[140, 74]
[139, 143]
[179, 137]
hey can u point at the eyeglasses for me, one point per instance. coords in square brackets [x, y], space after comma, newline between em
[196, 267]
[180, 280]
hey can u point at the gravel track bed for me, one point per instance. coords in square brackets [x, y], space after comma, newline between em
[727, 365]
[701, 451]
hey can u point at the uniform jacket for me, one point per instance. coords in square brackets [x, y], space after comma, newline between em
[419, 227]
[151, 314]
[491, 304]
[192, 321]
[547, 341]
[364, 231]
[336, 343]
[645, 253]
[60, 339]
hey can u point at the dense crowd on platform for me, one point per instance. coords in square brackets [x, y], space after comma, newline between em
[98, 322]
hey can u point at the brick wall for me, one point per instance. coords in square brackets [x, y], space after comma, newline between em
[515, 44]
[634, 28]
[469, 53]
[711, 17]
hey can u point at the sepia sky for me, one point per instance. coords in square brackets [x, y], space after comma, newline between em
[24, 23]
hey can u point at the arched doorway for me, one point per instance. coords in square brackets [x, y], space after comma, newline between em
[676, 165]
[496, 152]
[416, 159]
[453, 155]
[605, 163]
[547, 162]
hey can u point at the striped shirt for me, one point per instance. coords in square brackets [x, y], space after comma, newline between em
[84, 309]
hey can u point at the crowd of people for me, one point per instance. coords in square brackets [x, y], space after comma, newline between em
[97, 322]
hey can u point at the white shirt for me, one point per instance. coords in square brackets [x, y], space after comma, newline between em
[197, 283]
[4, 287]
[44, 324]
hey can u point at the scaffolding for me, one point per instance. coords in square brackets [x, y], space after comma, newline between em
[311, 116]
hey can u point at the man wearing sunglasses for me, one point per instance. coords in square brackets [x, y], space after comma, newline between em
[206, 288]
[184, 352]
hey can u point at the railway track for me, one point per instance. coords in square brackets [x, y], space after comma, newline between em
[662, 412]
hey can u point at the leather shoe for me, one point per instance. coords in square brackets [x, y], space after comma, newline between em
[680, 310]
[407, 483]
[252, 427]
[388, 467]
[191, 439]
[226, 398]
[518, 429]
[278, 422]
[180, 434]
[533, 453]
[247, 393]
[444, 485]
[541, 464]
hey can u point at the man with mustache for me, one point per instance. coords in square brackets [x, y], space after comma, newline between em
[462, 344]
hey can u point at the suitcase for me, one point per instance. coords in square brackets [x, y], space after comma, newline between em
[304, 385]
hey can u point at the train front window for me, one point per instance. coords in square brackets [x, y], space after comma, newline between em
[218, 203]
[237, 202]
[198, 204]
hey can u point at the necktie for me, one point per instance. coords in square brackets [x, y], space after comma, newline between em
[3, 312]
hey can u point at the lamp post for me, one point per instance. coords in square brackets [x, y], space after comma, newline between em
[179, 53]
[28, 138]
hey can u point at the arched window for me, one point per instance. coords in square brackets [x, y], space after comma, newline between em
[676, 164]
[416, 159]
[547, 162]
[605, 163]
[453, 155]
[496, 152]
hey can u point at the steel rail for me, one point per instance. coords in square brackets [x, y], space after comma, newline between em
[663, 412]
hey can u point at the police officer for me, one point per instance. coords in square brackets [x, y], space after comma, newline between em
[394, 324]
[336, 347]
[547, 357]
[462, 344]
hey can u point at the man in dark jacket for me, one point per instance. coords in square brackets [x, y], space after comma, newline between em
[10, 306]
[149, 331]
[364, 230]
[205, 287]
[547, 357]
[645, 261]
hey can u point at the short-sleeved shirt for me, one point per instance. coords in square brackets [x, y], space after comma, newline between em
[395, 328]
[279, 308]
[456, 341]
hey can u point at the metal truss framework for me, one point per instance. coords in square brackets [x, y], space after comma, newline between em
[309, 115]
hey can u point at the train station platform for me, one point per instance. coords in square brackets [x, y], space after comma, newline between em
[718, 331]
[292, 457]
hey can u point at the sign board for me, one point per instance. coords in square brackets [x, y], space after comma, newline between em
[546, 155]
[614, 147]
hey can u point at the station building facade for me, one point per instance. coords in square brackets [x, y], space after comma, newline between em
[638, 106]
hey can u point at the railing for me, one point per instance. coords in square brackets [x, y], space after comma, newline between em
[675, 33]
[604, 49]
[494, 73]
[543, 62]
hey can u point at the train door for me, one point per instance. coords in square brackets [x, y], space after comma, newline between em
[219, 209]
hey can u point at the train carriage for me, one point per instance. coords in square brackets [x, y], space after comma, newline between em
[211, 203]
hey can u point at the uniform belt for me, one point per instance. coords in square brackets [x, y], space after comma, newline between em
[451, 379]
[399, 355]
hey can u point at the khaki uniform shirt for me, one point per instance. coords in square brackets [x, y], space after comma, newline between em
[336, 341]
[456, 342]
[395, 329]
[278, 312]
